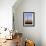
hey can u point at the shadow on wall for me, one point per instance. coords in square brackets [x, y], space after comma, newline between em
[28, 6]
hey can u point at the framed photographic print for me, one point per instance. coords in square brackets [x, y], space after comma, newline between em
[28, 19]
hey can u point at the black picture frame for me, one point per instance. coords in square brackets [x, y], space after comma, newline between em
[28, 19]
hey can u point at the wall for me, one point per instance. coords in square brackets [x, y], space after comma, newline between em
[43, 22]
[6, 18]
[6, 13]
[33, 33]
